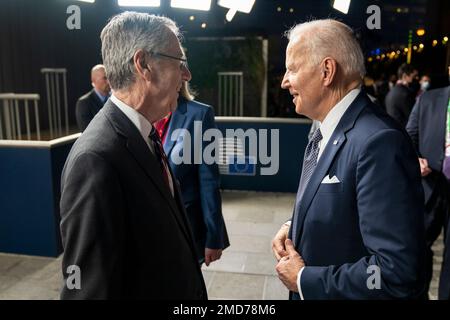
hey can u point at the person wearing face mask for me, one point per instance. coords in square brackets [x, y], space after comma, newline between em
[429, 128]
[424, 85]
[401, 98]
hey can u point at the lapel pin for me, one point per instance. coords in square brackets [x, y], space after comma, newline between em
[335, 142]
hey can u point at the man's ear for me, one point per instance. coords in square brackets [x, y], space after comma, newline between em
[142, 68]
[329, 68]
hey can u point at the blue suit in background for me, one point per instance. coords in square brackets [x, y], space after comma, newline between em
[371, 219]
[199, 183]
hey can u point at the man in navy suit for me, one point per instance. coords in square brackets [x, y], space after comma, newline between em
[429, 129]
[199, 182]
[357, 229]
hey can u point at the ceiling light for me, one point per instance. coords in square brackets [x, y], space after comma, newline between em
[236, 5]
[341, 5]
[203, 5]
[139, 3]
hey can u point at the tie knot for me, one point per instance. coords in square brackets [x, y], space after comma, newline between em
[154, 136]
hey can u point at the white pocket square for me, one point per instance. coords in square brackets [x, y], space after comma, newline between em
[328, 180]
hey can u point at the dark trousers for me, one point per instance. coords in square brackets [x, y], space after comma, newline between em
[437, 218]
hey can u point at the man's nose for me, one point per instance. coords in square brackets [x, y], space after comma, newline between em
[186, 74]
[284, 82]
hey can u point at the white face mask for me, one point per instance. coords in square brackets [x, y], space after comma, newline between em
[425, 85]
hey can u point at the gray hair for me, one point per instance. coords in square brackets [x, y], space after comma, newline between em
[127, 33]
[328, 37]
[187, 92]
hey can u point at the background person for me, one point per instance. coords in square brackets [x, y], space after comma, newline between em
[90, 104]
[199, 183]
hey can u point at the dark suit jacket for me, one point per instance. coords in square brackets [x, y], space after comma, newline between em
[399, 103]
[119, 221]
[200, 186]
[426, 126]
[372, 217]
[86, 109]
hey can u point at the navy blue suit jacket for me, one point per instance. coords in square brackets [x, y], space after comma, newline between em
[426, 126]
[374, 216]
[200, 185]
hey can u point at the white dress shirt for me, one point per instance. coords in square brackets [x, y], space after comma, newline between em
[327, 127]
[144, 127]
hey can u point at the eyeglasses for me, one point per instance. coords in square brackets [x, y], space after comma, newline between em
[183, 63]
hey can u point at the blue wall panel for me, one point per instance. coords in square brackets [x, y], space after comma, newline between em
[293, 138]
[29, 199]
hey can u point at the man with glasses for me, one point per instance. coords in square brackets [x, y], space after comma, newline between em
[123, 223]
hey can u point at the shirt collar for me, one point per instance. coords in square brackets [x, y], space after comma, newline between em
[333, 117]
[141, 123]
[100, 96]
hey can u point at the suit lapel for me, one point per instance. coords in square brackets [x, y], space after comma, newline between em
[337, 140]
[177, 122]
[145, 158]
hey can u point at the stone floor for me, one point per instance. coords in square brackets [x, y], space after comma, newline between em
[245, 271]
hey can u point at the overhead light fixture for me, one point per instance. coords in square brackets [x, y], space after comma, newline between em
[139, 3]
[203, 5]
[341, 5]
[235, 6]
[90, 1]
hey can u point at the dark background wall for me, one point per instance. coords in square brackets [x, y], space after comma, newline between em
[33, 35]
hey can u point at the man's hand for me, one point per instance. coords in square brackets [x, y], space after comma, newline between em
[278, 242]
[212, 255]
[289, 266]
[424, 168]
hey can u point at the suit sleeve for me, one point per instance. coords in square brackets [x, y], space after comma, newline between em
[82, 114]
[413, 125]
[389, 201]
[211, 201]
[91, 228]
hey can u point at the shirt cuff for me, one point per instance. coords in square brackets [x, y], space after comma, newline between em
[299, 275]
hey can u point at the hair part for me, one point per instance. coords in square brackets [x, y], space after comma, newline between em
[124, 35]
[329, 37]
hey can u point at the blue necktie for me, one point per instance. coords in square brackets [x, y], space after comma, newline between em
[309, 164]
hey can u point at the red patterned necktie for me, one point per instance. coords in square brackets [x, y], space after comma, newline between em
[163, 162]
